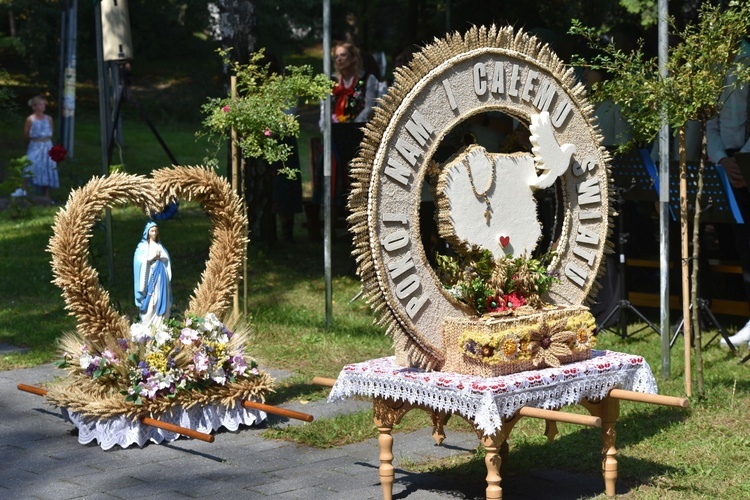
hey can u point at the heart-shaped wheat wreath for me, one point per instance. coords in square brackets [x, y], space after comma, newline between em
[102, 331]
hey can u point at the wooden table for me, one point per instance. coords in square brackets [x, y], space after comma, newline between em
[493, 405]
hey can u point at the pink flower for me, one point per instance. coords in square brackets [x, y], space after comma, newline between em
[267, 132]
[226, 109]
[188, 336]
[201, 362]
[109, 356]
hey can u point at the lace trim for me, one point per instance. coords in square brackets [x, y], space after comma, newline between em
[123, 431]
[487, 401]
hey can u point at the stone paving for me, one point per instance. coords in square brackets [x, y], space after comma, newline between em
[40, 457]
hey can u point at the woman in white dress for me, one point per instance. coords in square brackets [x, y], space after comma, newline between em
[152, 275]
[38, 131]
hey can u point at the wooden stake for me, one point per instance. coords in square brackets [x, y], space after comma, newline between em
[685, 267]
[235, 160]
[278, 411]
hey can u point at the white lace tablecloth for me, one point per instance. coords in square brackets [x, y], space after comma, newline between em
[487, 401]
[123, 431]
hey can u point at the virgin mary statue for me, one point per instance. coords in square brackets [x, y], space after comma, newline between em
[152, 274]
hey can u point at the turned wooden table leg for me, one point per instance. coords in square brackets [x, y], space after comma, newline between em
[610, 410]
[492, 461]
[385, 440]
[386, 414]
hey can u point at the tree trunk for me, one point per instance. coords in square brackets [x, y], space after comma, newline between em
[696, 267]
[237, 27]
[11, 23]
[685, 263]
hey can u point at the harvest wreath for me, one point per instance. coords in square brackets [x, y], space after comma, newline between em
[116, 369]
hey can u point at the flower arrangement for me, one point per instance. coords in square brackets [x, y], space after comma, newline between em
[495, 287]
[57, 153]
[545, 343]
[163, 361]
[260, 113]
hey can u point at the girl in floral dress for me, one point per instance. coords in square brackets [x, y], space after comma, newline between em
[38, 131]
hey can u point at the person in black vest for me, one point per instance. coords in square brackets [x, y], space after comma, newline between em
[352, 103]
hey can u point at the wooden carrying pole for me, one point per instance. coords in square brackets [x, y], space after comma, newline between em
[324, 381]
[656, 399]
[278, 411]
[559, 416]
[202, 436]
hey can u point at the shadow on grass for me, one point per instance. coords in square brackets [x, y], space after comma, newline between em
[295, 390]
[568, 467]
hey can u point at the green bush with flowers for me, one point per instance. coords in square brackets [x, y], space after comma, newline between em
[260, 111]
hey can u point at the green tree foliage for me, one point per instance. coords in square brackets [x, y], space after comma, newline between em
[696, 67]
[696, 73]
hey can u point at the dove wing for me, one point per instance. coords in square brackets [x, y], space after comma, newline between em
[551, 159]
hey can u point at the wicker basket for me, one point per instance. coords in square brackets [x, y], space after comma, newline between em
[494, 346]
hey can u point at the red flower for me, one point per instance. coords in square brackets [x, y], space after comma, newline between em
[57, 153]
[514, 300]
[494, 303]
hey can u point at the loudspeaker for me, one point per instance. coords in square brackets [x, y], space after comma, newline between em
[116, 41]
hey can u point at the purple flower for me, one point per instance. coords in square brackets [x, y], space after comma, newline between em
[239, 366]
[226, 109]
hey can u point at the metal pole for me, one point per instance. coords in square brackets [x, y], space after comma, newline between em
[327, 164]
[664, 200]
[68, 76]
[104, 128]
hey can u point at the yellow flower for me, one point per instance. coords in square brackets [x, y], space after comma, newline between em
[157, 361]
[549, 342]
[510, 346]
[584, 339]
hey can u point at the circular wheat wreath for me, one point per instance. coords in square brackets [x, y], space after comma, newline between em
[98, 323]
[417, 335]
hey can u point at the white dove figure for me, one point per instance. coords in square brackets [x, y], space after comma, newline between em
[487, 199]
